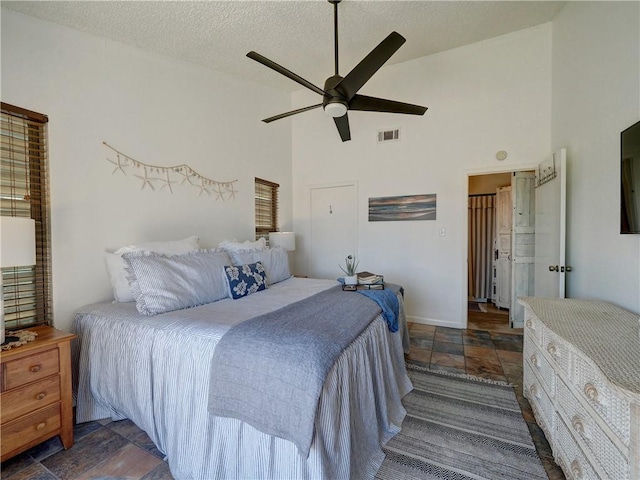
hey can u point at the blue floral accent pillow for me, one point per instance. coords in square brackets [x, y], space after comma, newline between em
[246, 279]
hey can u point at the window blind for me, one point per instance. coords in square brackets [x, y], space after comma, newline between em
[24, 193]
[266, 204]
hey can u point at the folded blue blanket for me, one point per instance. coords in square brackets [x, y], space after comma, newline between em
[387, 300]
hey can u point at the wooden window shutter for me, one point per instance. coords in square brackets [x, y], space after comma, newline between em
[266, 205]
[24, 192]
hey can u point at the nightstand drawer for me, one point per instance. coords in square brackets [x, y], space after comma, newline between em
[23, 400]
[29, 369]
[30, 428]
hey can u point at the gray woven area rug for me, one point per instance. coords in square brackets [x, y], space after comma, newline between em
[460, 428]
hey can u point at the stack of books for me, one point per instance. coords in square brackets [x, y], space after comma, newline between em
[368, 278]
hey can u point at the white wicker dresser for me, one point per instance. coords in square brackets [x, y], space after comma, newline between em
[582, 378]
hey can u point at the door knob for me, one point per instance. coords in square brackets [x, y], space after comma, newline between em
[554, 268]
[569, 268]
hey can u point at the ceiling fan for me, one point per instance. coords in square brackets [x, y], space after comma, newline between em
[340, 94]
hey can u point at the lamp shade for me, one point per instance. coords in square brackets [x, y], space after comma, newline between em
[17, 241]
[286, 240]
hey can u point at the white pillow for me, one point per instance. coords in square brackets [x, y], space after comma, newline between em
[116, 265]
[247, 246]
[174, 247]
[275, 261]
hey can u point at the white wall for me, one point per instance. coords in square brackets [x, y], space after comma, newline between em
[596, 95]
[157, 111]
[482, 98]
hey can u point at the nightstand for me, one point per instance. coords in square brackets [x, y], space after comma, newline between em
[36, 401]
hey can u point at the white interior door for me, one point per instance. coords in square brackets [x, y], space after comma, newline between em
[522, 243]
[504, 218]
[550, 268]
[333, 229]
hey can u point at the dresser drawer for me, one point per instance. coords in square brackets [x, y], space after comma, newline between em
[533, 327]
[604, 453]
[569, 456]
[29, 369]
[540, 365]
[558, 350]
[31, 427]
[596, 390]
[541, 404]
[28, 398]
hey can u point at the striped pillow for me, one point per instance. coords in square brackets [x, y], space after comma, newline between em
[162, 284]
[274, 260]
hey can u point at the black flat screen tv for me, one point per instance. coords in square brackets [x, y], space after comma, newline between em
[630, 179]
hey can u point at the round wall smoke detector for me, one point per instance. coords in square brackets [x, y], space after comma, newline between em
[501, 155]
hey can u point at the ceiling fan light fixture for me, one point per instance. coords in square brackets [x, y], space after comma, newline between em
[335, 109]
[340, 94]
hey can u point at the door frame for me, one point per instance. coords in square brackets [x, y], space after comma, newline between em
[465, 228]
[317, 186]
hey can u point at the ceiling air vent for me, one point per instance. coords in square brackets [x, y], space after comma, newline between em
[389, 135]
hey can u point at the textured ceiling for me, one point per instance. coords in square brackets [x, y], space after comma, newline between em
[296, 34]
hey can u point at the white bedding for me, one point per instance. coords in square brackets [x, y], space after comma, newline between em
[155, 371]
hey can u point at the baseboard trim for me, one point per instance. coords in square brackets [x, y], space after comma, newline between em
[435, 322]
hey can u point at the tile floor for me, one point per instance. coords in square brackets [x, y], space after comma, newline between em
[118, 450]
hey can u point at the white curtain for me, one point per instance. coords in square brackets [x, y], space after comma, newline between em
[482, 219]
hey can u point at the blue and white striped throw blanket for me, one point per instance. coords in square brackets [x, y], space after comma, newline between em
[269, 371]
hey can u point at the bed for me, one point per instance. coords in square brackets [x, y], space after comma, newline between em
[155, 371]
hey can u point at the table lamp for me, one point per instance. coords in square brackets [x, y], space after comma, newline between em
[17, 249]
[286, 240]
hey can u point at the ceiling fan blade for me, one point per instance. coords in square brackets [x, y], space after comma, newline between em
[369, 65]
[292, 112]
[343, 127]
[287, 73]
[374, 104]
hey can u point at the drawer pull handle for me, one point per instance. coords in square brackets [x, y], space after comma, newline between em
[534, 360]
[41, 395]
[34, 368]
[551, 348]
[576, 421]
[534, 390]
[576, 470]
[41, 425]
[591, 392]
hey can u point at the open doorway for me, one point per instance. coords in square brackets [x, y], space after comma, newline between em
[537, 258]
[513, 252]
[489, 241]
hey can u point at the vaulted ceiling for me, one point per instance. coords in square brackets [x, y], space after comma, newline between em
[296, 34]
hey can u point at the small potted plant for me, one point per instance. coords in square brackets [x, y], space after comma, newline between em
[351, 264]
